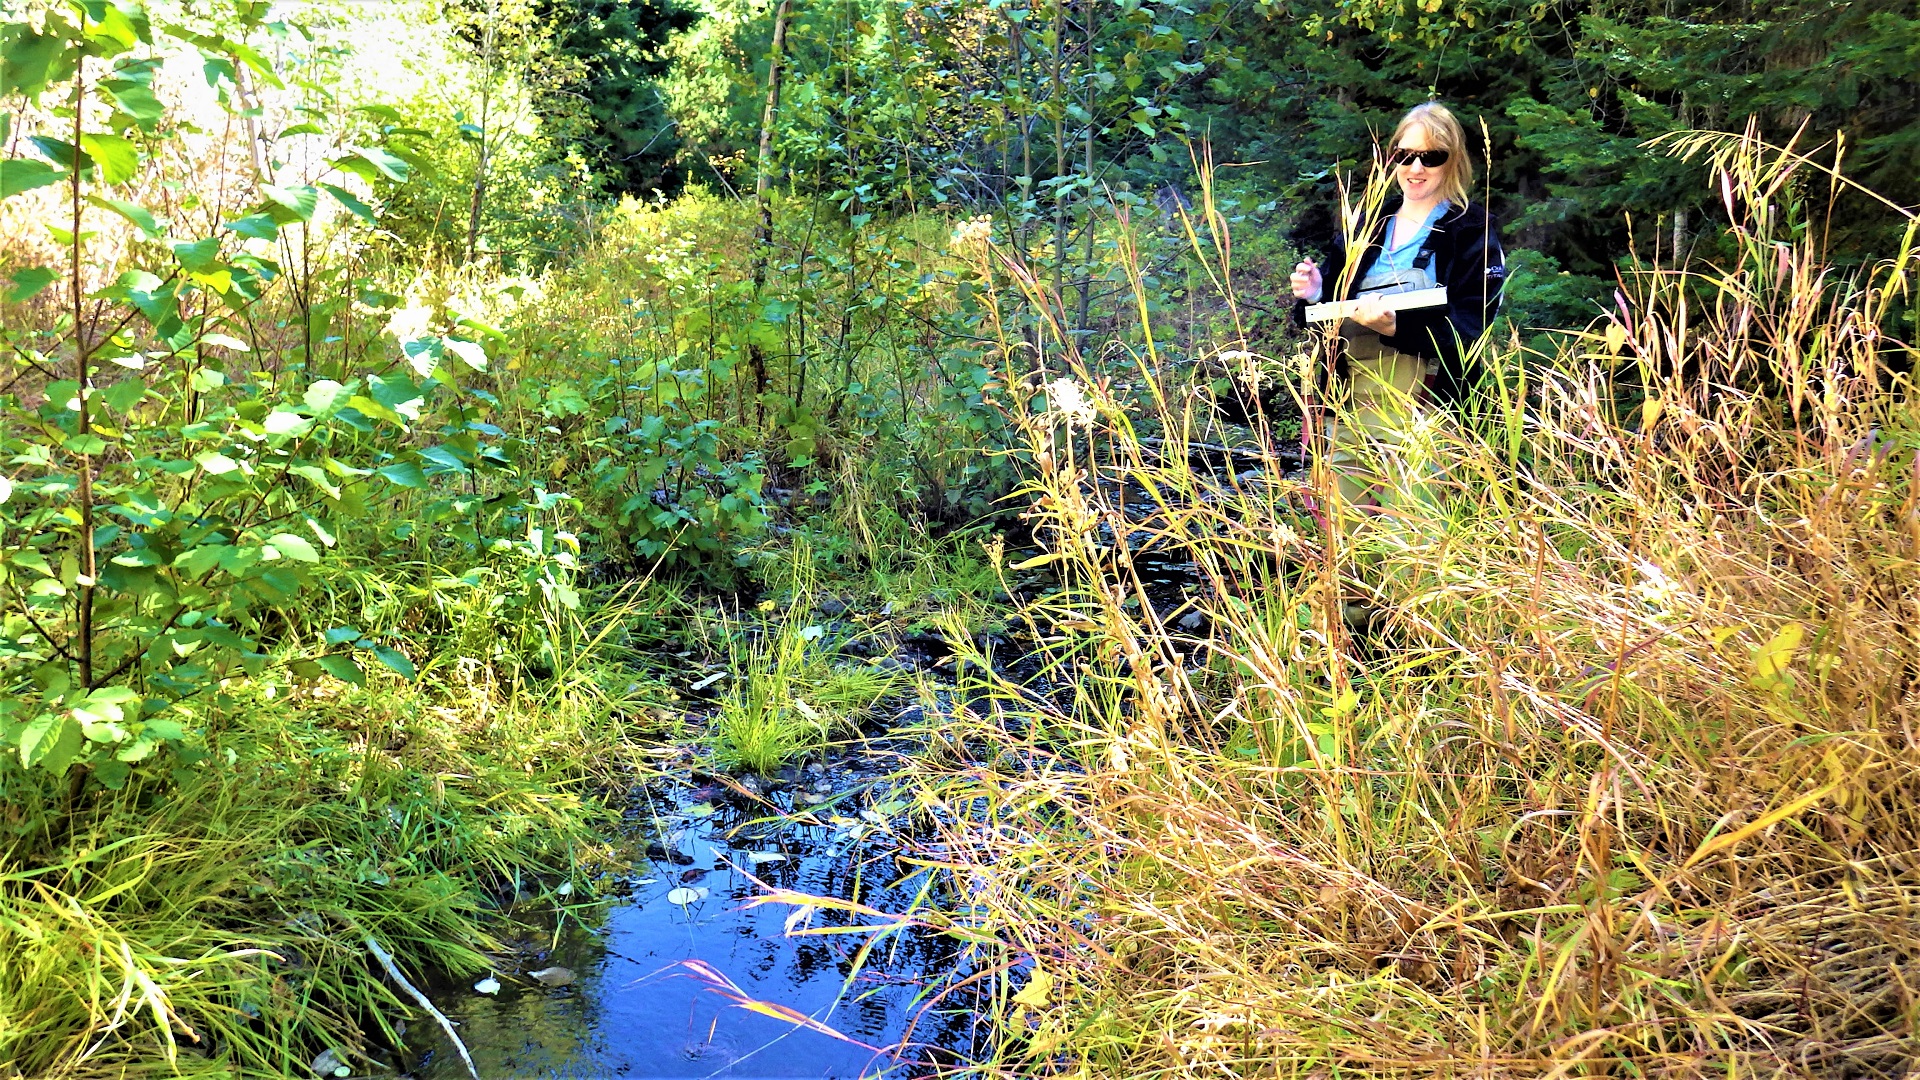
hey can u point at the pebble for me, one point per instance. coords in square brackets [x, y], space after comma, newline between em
[552, 976]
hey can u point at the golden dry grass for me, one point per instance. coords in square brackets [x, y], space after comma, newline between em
[1622, 781]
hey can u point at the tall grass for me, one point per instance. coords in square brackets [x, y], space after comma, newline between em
[211, 922]
[1621, 779]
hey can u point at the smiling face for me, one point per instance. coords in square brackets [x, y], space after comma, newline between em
[1419, 183]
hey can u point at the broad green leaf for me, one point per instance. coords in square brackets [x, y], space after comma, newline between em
[225, 341]
[471, 353]
[116, 155]
[113, 774]
[61, 152]
[27, 60]
[404, 473]
[257, 226]
[323, 396]
[205, 380]
[134, 212]
[316, 476]
[297, 548]
[217, 464]
[283, 422]
[50, 741]
[352, 202]
[340, 635]
[388, 165]
[199, 561]
[423, 356]
[6, 490]
[28, 283]
[342, 667]
[124, 26]
[136, 100]
[396, 660]
[298, 201]
[25, 174]
[444, 458]
[198, 257]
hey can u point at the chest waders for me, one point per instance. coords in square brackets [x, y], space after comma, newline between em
[1382, 427]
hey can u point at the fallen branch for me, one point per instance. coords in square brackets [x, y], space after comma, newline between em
[446, 1025]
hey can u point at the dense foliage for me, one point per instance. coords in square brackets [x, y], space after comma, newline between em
[385, 390]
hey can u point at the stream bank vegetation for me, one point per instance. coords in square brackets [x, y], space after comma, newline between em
[1616, 773]
[401, 464]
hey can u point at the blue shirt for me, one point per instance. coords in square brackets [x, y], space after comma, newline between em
[1395, 265]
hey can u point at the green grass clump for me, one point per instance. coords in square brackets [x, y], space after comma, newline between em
[212, 921]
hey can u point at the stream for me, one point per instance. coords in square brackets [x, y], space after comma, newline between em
[682, 974]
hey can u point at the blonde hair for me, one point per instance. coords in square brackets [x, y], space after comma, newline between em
[1443, 132]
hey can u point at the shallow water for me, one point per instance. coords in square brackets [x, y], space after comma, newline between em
[634, 1008]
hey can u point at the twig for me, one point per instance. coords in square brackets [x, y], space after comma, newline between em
[446, 1025]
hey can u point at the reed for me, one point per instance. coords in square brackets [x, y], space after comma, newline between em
[1620, 779]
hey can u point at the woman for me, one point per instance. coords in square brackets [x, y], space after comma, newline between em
[1397, 363]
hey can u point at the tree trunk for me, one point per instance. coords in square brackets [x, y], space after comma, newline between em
[479, 200]
[1086, 165]
[1059, 157]
[756, 358]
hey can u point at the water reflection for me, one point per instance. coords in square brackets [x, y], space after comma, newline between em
[633, 1012]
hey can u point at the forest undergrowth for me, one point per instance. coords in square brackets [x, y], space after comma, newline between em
[1592, 753]
[371, 504]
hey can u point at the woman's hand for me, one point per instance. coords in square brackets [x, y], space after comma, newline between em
[1373, 315]
[1306, 281]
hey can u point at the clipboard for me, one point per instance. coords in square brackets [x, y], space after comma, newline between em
[1400, 301]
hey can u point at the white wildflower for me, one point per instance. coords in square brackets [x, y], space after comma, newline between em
[972, 235]
[1655, 587]
[1065, 397]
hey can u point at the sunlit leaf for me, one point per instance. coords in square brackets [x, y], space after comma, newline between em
[25, 174]
[116, 155]
[1038, 560]
[297, 201]
[324, 394]
[136, 100]
[297, 548]
[470, 353]
[351, 201]
[387, 164]
[140, 216]
[257, 226]
[1770, 660]
[27, 283]
[404, 473]
[1034, 994]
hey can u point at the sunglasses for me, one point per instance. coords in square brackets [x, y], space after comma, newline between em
[1432, 159]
